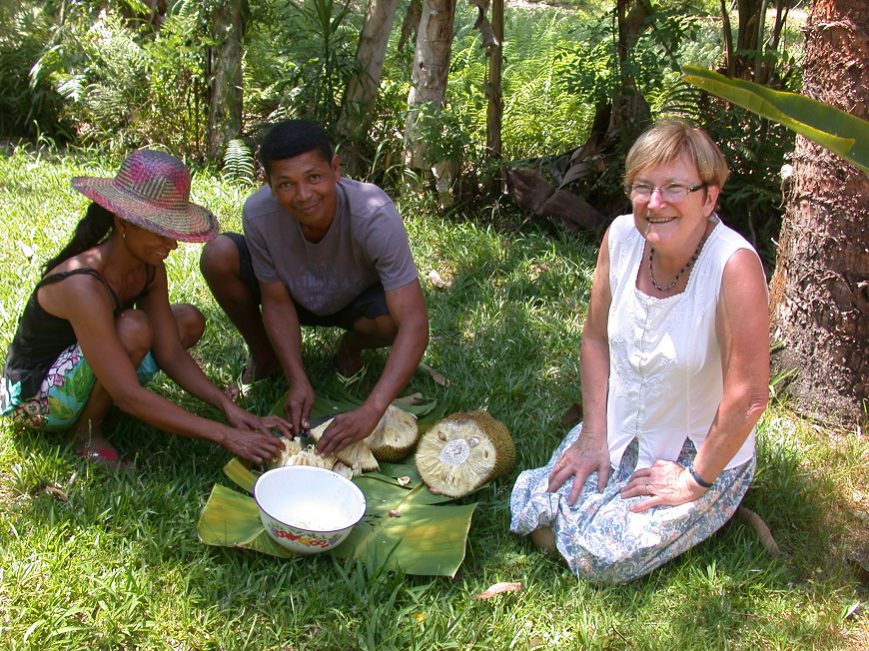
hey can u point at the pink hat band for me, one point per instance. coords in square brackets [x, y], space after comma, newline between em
[152, 190]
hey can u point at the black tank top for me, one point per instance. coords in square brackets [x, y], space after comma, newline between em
[41, 337]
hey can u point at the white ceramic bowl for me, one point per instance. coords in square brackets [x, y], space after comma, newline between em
[308, 510]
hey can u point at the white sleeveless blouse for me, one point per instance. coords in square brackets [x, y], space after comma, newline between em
[665, 380]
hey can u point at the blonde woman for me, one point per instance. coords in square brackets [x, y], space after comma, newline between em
[675, 370]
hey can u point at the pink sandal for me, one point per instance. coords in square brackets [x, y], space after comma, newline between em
[105, 457]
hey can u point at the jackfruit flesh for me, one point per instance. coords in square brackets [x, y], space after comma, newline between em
[395, 435]
[464, 451]
[297, 454]
[357, 455]
[344, 471]
[291, 448]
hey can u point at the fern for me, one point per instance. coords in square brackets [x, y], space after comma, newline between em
[238, 162]
[681, 100]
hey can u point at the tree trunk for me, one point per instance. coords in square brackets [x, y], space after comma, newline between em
[630, 114]
[361, 93]
[157, 12]
[225, 76]
[431, 64]
[410, 24]
[493, 82]
[820, 289]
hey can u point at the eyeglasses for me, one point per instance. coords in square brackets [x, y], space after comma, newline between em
[672, 193]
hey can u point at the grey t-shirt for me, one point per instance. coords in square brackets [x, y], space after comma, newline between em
[366, 243]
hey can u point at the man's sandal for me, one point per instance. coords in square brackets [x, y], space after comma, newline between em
[349, 380]
[241, 388]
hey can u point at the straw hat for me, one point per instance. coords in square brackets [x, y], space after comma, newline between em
[152, 190]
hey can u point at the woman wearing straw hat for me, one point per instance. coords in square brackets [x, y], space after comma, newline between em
[99, 322]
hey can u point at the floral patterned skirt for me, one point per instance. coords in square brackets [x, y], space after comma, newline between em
[600, 538]
[63, 394]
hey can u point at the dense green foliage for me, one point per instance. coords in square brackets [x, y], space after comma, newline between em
[122, 84]
[89, 559]
[26, 109]
[112, 74]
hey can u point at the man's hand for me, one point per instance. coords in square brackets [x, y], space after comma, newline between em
[666, 482]
[300, 401]
[243, 419]
[252, 446]
[588, 454]
[348, 428]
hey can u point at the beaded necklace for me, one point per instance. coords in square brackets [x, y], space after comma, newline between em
[688, 265]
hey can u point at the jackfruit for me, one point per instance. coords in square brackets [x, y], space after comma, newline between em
[395, 435]
[291, 448]
[297, 454]
[344, 471]
[464, 451]
[356, 455]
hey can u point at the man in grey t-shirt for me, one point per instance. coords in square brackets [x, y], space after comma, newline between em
[320, 250]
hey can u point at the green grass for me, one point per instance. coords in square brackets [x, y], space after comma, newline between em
[118, 564]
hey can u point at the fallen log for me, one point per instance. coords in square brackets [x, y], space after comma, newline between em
[532, 191]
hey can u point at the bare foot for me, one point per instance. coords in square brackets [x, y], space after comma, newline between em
[254, 371]
[544, 539]
[348, 361]
[93, 446]
[91, 438]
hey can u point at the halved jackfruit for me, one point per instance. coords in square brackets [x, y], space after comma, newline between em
[464, 451]
[395, 435]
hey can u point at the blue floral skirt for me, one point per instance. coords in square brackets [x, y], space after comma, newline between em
[600, 538]
[63, 394]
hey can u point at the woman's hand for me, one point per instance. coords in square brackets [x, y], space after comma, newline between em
[243, 419]
[252, 446]
[666, 482]
[587, 455]
[348, 428]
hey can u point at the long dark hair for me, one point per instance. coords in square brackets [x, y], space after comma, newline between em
[91, 229]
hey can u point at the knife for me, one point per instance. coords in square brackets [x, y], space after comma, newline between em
[305, 437]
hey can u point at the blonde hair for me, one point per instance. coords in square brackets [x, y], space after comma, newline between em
[666, 141]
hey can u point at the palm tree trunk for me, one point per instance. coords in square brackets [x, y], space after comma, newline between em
[820, 289]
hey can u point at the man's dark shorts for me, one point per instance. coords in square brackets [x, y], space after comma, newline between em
[371, 303]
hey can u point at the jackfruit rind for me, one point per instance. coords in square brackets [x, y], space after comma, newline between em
[464, 451]
[395, 435]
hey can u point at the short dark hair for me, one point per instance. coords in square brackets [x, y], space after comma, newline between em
[291, 138]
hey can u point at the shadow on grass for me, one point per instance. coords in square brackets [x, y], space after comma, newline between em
[506, 335]
[707, 598]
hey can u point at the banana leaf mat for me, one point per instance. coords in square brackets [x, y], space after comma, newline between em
[406, 527]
